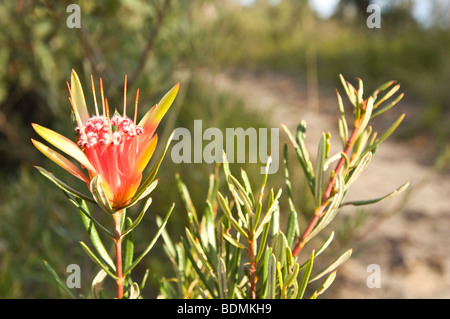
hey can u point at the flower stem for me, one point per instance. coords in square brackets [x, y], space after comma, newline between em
[118, 245]
[252, 270]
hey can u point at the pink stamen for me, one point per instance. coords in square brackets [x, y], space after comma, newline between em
[97, 131]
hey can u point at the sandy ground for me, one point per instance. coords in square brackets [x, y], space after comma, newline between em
[411, 247]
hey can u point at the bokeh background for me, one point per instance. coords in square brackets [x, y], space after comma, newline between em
[240, 64]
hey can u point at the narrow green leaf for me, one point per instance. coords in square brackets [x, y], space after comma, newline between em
[128, 245]
[152, 243]
[325, 285]
[387, 95]
[272, 277]
[292, 227]
[248, 186]
[305, 277]
[357, 171]
[100, 195]
[198, 249]
[226, 209]
[291, 278]
[186, 197]
[382, 87]
[63, 185]
[233, 241]
[87, 214]
[144, 194]
[389, 106]
[349, 90]
[302, 155]
[279, 247]
[198, 270]
[94, 236]
[262, 245]
[318, 191]
[376, 200]
[331, 210]
[97, 261]
[268, 215]
[366, 118]
[343, 258]
[222, 279]
[385, 135]
[325, 244]
[58, 280]
[138, 219]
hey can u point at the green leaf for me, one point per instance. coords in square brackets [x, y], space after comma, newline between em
[145, 193]
[376, 200]
[331, 209]
[100, 195]
[302, 153]
[318, 191]
[226, 209]
[305, 277]
[279, 247]
[138, 219]
[325, 244]
[198, 249]
[389, 106]
[272, 277]
[186, 197]
[97, 261]
[262, 245]
[349, 89]
[248, 187]
[93, 235]
[222, 279]
[366, 117]
[343, 258]
[386, 134]
[325, 285]
[357, 171]
[343, 127]
[64, 186]
[268, 215]
[58, 280]
[198, 270]
[86, 213]
[291, 278]
[387, 95]
[152, 243]
[233, 241]
[128, 245]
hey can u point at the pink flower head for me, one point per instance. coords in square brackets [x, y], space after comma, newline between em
[115, 148]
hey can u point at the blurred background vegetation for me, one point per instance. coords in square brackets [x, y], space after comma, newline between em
[157, 44]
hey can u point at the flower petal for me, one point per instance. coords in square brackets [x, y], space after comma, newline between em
[146, 154]
[77, 95]
[156, 113]
[64, 144]
[60, 160]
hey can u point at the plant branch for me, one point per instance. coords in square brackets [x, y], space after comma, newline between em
[327, 194]
[150, 43]
[252, 270]
[118, 245]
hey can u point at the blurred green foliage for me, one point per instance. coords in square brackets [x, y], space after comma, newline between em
[158, 43]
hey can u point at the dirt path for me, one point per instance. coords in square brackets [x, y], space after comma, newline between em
[411, 247]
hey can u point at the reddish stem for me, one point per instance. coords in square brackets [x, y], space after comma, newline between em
[326, 195]
[118, 245]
